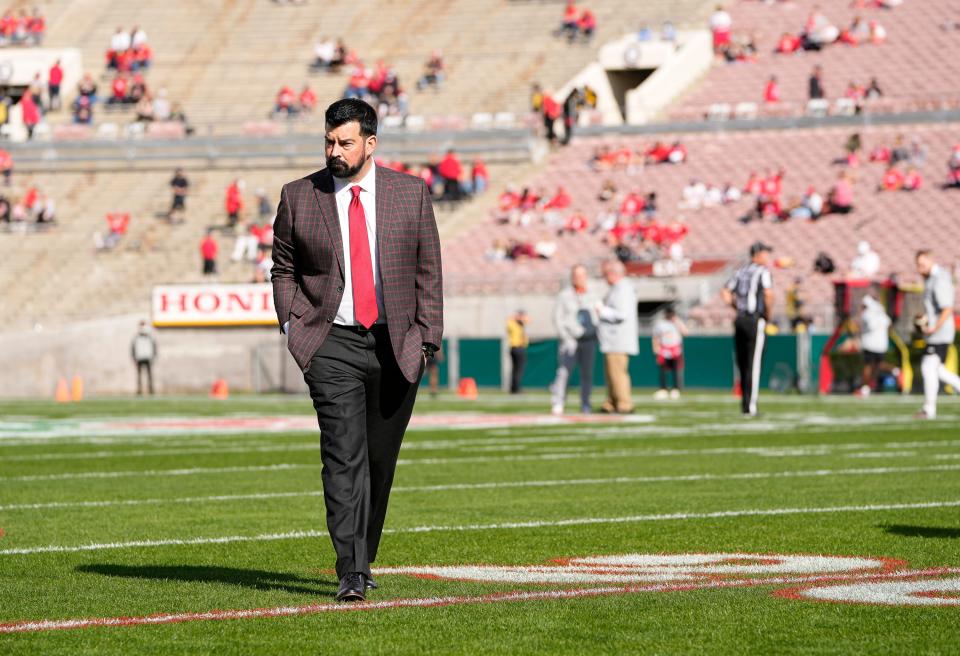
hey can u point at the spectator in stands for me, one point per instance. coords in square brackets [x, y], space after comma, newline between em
[819, 31]
[551, 112]
[233, 203]
[307, 101]
[450, 171]
[913, 180]
[179, 187]
[30, 112]
[54, 80]
[286, 101]
[161, 106]
[953, 169]
[586, 25]
[119, 90]
[265, 209]
[358, 84]
[324, 53]
[82, 111]
[6, 166]
[720, 26]
[668, 32]
[432, 72]
[143, 350]
[117, 224]
[571, 108]
[810, 206]
[576, 223]
[119, 43]
[208, 251]
[815, 84]
[899, 152]
[892, 180]
[866, 264]
[36, 28]
[247, 243]
[144, 110]
[479, 176]
[771, 92]
[788, 44]
[840, 199]
[87, 88]
[569, 25]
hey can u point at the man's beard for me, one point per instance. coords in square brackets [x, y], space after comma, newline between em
[341, 169]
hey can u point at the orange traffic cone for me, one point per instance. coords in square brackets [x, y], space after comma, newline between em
[62, 394]
[468, 389]
[76, 389]
[219, 389]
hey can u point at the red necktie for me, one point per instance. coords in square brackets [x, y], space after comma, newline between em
[361, 267]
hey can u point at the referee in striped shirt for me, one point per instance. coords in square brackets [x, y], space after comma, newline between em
[750, 293]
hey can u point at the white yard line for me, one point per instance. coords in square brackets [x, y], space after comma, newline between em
[492, 485]
[156, 472]
[456, 528]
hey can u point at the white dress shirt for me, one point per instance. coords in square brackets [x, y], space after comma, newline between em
[368, 198]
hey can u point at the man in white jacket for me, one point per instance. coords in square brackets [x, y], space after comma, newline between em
[619, 338]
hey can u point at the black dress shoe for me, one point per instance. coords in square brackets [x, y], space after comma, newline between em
[369, 582]
[351, 587]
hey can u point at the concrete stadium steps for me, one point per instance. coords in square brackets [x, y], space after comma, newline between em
[917, 67]
[226, 60]
[895, 223]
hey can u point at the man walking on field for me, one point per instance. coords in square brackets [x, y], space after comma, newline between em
[358, 291]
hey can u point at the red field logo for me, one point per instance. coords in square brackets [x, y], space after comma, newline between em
[849, 579]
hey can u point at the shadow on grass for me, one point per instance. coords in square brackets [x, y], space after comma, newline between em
[922, 531]
[248, 578]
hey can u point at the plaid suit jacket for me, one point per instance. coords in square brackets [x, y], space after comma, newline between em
[308, 263]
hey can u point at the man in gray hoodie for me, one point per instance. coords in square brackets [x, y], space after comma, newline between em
[576, 324]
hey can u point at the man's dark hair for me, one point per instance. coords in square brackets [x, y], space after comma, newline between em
[923, 252]
[349, 110]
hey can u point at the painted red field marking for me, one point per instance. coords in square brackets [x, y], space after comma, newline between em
[431, 602]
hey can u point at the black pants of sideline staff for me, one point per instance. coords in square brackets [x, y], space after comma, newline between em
[749, 337]
[363, 406]
[518, 362]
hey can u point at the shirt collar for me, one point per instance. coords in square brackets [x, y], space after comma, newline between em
[368, 182]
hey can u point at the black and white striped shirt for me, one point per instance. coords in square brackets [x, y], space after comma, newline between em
[747, 285]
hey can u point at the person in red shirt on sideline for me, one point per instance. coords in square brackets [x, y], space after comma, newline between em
[560, 201]
[586, 24]
[479, 176]
[632, 204]
[234, 202]
[892, 180]
[576, 223]
[54, 80]
[569, 24]
[6, 166]
[771, 92]
[308, 99]
[788, 44]
[913, 180]
[451, 171]
[208, 251]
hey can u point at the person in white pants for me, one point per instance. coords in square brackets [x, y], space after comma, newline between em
[939, 329]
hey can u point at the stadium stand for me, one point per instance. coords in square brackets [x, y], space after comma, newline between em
[226, 61]
[914, 65]
[808, 158]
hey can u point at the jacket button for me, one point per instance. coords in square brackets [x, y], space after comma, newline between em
[330, 319]
[339, 289]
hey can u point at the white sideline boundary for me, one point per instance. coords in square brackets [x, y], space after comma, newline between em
[457, 528]
[494, 485]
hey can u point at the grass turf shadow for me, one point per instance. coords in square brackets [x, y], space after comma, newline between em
[909, 531]
[248, 578]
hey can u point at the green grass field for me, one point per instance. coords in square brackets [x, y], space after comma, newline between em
[104, 519]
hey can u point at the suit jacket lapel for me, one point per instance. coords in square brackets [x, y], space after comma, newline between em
[385, 217]
[327, 201]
